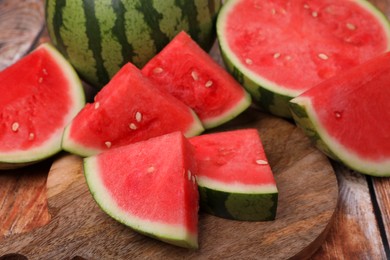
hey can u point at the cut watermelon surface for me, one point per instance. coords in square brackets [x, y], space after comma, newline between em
[234, 178]
[149, 186]
[278, 49]
[41, 93]
[127, 110]
[348, 116]
[187, 72]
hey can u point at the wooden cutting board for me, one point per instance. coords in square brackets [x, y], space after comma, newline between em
[74, 226]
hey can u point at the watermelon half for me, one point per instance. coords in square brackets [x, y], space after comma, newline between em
[348, 116]
[279, 49]
[127, 110]
[187, 72]
[234, 178]
[40, 94]
[150, 187]
[100, 36]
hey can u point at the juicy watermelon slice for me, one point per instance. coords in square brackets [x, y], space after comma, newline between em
[347, 116]
[279, 49]
[234, 178]
[127, 110]
[150, 187]
[187, 72]
[41, 93]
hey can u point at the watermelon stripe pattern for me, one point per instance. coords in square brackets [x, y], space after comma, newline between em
[99, 37]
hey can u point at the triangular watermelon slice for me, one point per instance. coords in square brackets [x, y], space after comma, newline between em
[348, 116]
[187, 72]
[234, 177]
[149, 186]
[128, 109]
[40, 94]
[279, 49]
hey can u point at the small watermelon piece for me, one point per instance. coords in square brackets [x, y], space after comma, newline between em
[100, 36]
[149, 186]
[127, 110]
[347, 116]
[234, 178]
[187, 72]
[279, 49]
[40, 94]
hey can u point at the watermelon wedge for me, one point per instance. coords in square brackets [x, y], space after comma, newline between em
[127, 110]
[150, 187]
[347, 116]
[234, 178]
[41, 93]
[279, 49]
[187, 72]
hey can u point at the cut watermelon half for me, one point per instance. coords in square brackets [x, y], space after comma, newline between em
[40, 94]
[150, 187]
[279, 49]
[348, 116]
[187, 72]
[234, 178]
[127, 110]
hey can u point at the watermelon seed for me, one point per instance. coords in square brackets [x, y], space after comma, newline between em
[31, 136]
[273, 11]
[351, 26]
[261, 162]
[97, 104]
[208, 84]
[44, 71]
[40, 80]
[314, 14]
[158, 70]
[108, 144]
[195, 75]
[306, 6]
[133, 126]
[337, 114]
[15, 126]
[151, 169]
[189, 175]
[248, 61]
[323, 56]
[138, 116]
[276, 55]
[193, 179]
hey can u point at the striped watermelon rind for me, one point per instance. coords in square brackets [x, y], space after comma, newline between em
[99, 37]
[21, 158]
[306, 118]
[266, 94]
[259, 204]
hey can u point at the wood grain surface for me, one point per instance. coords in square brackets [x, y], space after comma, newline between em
[307, 202]
[361, 226]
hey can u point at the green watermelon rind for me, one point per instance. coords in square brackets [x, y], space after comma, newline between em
[230, 114]
[99, 37]
[53, 145]
[172, 234]
[268, 95]
[305, 117]
[238, 202]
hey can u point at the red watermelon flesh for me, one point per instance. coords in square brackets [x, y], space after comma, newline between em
[233, 158]
[297, 44]
[350, 114]
[186, 71]
[149, 186]
[127, 110]
[40, 94]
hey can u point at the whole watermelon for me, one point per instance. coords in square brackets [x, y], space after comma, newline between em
[99, 36]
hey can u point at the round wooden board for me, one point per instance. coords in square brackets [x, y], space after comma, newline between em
[308, 195]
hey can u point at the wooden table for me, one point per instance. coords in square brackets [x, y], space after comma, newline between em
[361, 227]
